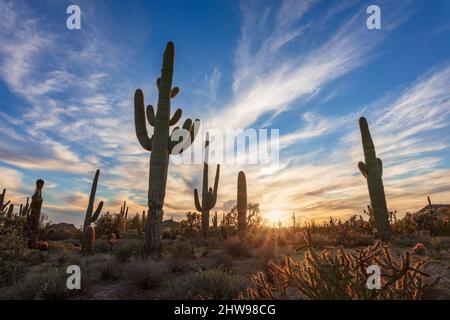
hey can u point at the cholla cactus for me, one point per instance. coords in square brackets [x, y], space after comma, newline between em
[88, 229]
[161, 145]
[372, 170]
[242, 204]
[342, 276]
[34, 217]
[209, 195]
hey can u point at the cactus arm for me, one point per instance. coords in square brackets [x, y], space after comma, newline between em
[97, 212]
[151, 115]
[197, 201]
[10, 211]
[216, 186]
[176, 116]
[174, 92]
[193, 130]
[158, 82]
[90, 208]
[139, 121]
[362, 168]
[380, 166]
[2, 198]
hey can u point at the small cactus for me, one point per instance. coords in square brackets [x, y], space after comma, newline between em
[209, 196]
[372, 170]
[88, 229]
[161, 145]
[242, 204]
[34, 217]
[214, 220]
[123, 217]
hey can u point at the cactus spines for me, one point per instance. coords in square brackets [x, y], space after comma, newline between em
[91, 217]
[242, 204]
[372, 170]
[209, 195]
[161, 145]
[34, 217]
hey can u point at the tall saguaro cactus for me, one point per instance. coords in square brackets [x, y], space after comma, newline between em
[372, 170]
[91, 217]
[161, 145]
[34, 217]
[242, 204]
[209, 196]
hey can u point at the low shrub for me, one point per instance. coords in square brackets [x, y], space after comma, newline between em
[237, 248]
[145, 274]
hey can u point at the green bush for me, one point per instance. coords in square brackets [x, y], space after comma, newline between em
[13, 256]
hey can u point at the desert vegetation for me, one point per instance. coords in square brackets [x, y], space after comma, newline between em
[235, 255]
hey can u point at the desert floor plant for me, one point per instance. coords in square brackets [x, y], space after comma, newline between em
[161, 145]
[342, 276]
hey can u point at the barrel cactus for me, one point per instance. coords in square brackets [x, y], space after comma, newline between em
[372, 170]
[161, 145]
[91, 217]
[209, 195]
[242, 204]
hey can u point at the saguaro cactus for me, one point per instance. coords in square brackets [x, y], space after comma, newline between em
[123, 217]
[242, 204]
[215, 220]
[372, 170]
[34, 217]
[161, 145]
[209, 196]
[90, 217]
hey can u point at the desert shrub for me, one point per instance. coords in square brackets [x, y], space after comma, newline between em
[166, 234]
[110, 270]
[102, 246]
[181, 252]
[145, 274]
[237, 248]
[436, 244]
[48, 284]
[224, 262]
[341, 276]
[210, 284]
[14, 253]
[352, 232]
[128, 249]
[419, 249]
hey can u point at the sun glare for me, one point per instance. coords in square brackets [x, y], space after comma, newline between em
[273, 216]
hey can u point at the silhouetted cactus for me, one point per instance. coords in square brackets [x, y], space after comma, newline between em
[88, 229]
[215, 220]
[123, 217]
[161, 145]
[242, 204]
[34, 217]
[209, 195]
[372, 170]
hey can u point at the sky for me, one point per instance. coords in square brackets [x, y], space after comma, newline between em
[307, 68]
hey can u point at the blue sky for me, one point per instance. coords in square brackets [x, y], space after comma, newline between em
[308, 68]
